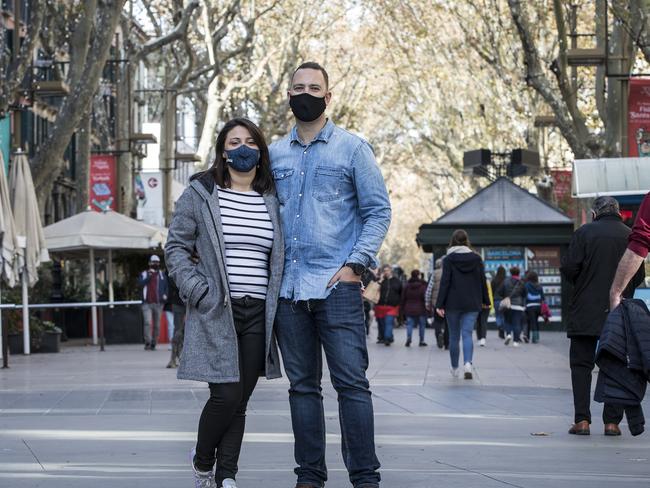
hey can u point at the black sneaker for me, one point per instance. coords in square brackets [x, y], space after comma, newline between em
[147, 346]
[408, 343]
[423, 344]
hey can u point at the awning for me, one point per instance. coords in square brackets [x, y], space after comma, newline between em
[610, 176]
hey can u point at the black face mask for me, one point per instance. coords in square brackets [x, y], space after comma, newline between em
[306, 107]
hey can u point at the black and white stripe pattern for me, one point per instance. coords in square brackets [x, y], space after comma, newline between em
[248, 236]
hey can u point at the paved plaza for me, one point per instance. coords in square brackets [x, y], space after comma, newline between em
[84, 418]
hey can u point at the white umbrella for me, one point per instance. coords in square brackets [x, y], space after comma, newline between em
[109, 231]
[8, 263]
[29, 232]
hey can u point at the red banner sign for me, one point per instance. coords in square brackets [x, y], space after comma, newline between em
[638, 122]
[562, 191]
[102, 182]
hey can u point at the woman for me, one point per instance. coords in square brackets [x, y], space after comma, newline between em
[534, 300]
[229, 215]
[513, 288]
[495, 284]
[387, 309]
[413, 306]
[463, 294]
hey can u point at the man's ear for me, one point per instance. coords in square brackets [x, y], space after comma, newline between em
[328, 97]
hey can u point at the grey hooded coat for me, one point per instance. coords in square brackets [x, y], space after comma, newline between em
[210, 349]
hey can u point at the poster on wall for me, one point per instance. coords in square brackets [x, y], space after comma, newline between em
[102, 182]
[545, 261]
[507, 257]
[638, 123]
[562, 191]
[149, 195]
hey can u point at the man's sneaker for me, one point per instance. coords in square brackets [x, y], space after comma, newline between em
[202, 479]
[468, 371]
[482, 342]
[515, 344]
[524, 338]
[508, 339]
[422, 344]
[454, 372]
[229, 483]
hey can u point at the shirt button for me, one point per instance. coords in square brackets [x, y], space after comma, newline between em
[297, 215]
[295, 238]
[295, 260]
[302, 172]
[299, 194]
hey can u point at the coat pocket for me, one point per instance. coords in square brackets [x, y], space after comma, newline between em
[327, 183]
[282, 179]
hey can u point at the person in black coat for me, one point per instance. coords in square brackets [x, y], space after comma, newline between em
[590, 265]
[178, 310]
[463, 294]
[388, 308]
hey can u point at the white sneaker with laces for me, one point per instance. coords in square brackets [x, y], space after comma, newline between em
[468, 371]
[228, 483]
[454, 372]
[508, 339]
[202, 479]
[482, 342]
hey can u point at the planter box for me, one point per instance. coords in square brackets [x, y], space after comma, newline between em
[123, 325]
[50, 342]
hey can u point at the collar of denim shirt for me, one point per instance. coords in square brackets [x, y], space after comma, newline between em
[324, 134]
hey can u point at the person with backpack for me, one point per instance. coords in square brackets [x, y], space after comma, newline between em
[534, 301]
[513, 294]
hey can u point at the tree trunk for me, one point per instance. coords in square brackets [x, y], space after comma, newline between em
[48, 161]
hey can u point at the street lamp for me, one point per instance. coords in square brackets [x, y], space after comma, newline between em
[494, 165]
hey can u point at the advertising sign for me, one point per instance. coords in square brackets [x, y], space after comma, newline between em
[102, 182]
[503, 256]
[5, 141]
[150, 197]
[545, 261]
[562, 191]
[638, 122]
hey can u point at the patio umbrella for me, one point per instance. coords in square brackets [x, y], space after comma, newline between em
[29, 232]
[8, 264]
[102, 231]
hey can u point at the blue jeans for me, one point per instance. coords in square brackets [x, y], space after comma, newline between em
[411, 320]
[461, 323]
[337, 324]
[498, 314]
[513, 322]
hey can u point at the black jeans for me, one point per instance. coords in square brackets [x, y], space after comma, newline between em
[222, 423]
[582, 358]
[481, 323]
[532, 320]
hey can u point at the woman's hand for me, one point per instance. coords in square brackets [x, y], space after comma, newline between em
[440, 311]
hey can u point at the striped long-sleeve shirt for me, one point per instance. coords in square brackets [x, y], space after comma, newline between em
[248, 236]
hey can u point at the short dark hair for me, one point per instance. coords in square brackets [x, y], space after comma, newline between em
[313, 65]
[515, 271]
[263, 182]
[459, 238]
[533, 277]
[605, 205]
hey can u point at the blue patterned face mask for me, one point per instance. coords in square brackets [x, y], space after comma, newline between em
[243, 159]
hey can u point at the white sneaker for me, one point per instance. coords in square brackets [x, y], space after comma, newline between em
[468, 371]
[482, 342]
[229, 483]
[508, 339]
[202, 479]
[454, 372]
[515, 344]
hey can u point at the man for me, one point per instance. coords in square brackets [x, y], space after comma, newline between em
[335, 213]
[154, 296]
[635, 254]
[589, 265]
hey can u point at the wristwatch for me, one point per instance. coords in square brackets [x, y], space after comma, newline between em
[358, 269]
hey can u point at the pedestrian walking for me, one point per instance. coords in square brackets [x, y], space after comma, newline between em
[482, 320]
[590, 265]
[387, 309]
[413, 307]
[512, 293]
[369, 279]
[230, 218]
[635, 254]
[335, 215]
[495, 285]
[534, 300]
[439, 322]
[463, 294]
[153, 282]
[178, 311]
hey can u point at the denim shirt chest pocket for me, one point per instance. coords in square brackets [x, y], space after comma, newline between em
[330, 183]
[282, 178]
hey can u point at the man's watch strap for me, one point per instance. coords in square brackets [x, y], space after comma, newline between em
[357, 268]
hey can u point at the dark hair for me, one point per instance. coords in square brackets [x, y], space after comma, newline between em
[605, 205]
[263, 182]
[514, 271]
[415, 274]
[459, 238]
[316, 66]
[532, 276]
[499, 277]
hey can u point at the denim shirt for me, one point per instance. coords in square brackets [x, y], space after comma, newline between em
[333, 204]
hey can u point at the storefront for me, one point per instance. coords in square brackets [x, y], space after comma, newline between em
[509, 227]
